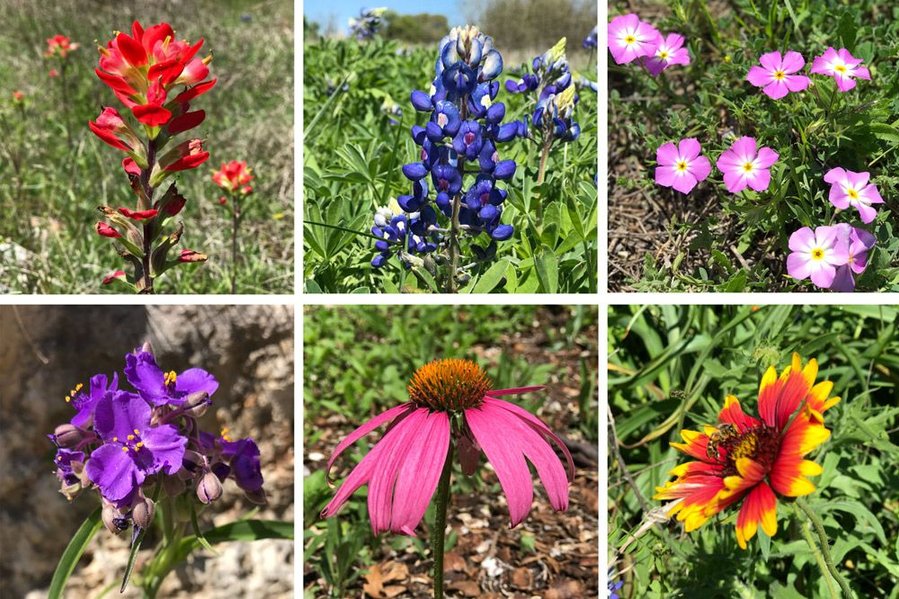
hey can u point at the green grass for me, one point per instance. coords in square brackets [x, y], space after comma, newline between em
[670, 368]
[353, 160]
[50, 186]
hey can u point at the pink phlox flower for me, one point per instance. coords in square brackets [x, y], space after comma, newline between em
[842, 66]
[630, 38]
[860, 242]
[403, 469]
[669, 51]
[848, 188]
[817, 254]
[681, 166]
[777, 75]
[744, 166]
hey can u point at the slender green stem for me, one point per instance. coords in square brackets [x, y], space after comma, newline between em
[145, 285]
[455, 230]
[438, 534]
[819, 558]
[168, 524]
[825, 548]
[235, 223]
[544, 157]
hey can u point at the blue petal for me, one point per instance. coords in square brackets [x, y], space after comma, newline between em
[502, 232]
[421, 101]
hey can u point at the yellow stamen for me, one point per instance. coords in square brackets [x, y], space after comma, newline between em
[115, 439]
[779, 75]
[131, 437]
[817, 254]
[125, 449]
[840, 68]
[171, 377]
[852, 193]
[139, 444]
[629, 39]
[136, 432]
[747, 167]
[68, 399]
[224, 434]
[681, 165]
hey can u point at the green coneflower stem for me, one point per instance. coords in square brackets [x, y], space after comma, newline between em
[822, 554]
[438, 534]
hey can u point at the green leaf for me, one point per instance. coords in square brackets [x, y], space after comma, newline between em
[490, 279]
[548, 272]
[73, 552]
[132, 558]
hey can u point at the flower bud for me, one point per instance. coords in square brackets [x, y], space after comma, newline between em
[196, 404]
[257, 497]
[113, 519]
[209, 488]
[143, 512]
[67, 435]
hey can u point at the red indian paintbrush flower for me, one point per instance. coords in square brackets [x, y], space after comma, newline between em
[59, 45]
[234, 176]
[451, 401]
[143, 68]
[753, 460]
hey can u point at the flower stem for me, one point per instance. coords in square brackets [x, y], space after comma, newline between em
[544, 157]
[438, 534]
[145, 285]
[235, 223]
[454, 245]
[825, 548]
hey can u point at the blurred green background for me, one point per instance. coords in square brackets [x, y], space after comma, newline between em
[50, 187]
[670, 368]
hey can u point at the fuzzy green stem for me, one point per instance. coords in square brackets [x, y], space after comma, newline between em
[825, 548]
[146, 283]
[438, 534]
[819, 558]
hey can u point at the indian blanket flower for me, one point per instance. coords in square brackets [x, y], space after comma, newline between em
[745, 165]
[859, 242]
[669, 51]
[848, 188]
[463, 130]
[122, 443]
[59, 45]
[451, 404]
[816, 254]
[681, 166]
[630, 38]
[748, 462]
[155, 76]
[842, 66]
[777, 76]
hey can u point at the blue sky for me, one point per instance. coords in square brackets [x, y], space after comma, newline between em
[321, 11]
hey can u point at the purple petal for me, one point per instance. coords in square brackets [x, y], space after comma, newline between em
[118, 415]
[113, 471]
[194, 380]
[166, 446]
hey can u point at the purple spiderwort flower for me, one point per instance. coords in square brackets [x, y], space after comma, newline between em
[745, 166]
[669, 51]
[161, 388]
[777, 75]
[817, 254]
[848, 188]
[133, 449]
[630, 38]
[85, 400]
[681, 166]
[842, 66]
[859, 242]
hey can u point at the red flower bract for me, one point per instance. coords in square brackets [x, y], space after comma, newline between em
[753, 460]
[144, 67]
[234, 175]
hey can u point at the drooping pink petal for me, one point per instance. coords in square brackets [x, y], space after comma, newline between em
[508, 462]
[538, 451]
[396, 443]
[384, 417]
[420, 472]
[539, 426]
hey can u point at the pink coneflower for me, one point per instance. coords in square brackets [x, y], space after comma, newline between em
[670, 50]
[630, 38]
[817, 254]
[681, 166]
[451, 404]
[744, 166]
[848, 188]
[776, 75]
[842, 66]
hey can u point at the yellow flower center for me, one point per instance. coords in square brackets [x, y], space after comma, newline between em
[840, 68]
[449, 385]
[629, 39]
[171, 377]
[681, 165]
[852, 193]
[818, 254]
[779, 75]
[663, 54]
[747, 166]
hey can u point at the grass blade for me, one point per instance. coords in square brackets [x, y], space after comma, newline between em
[73, 552]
